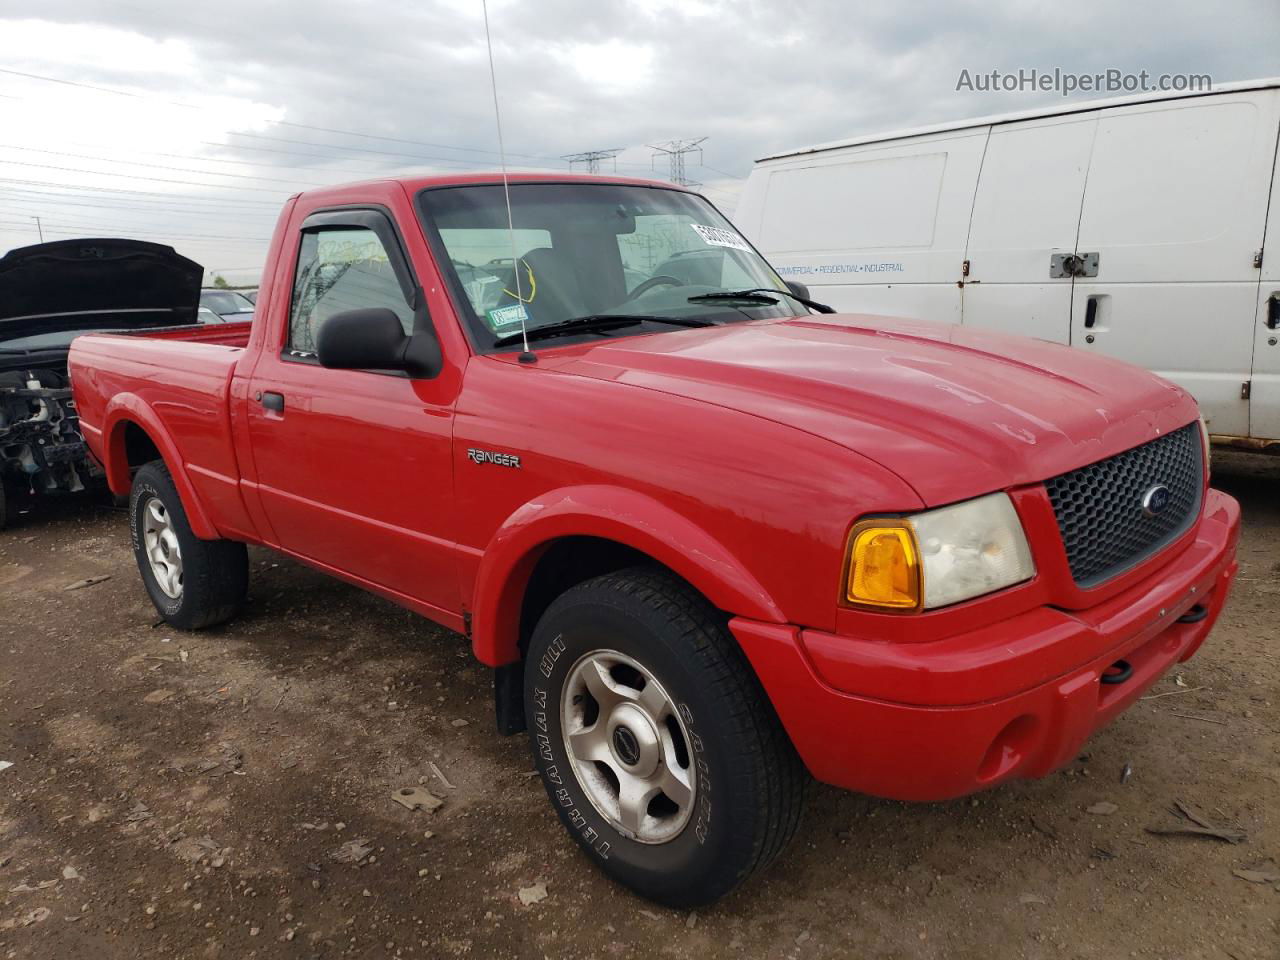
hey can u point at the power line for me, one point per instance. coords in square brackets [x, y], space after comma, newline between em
[160, 166]
[281, 123]
[592, 158]
[254, 163]
[134, 176]
[305, 126]
[676, 151]
[723, 173]
[75, 188]
[452, 161]
[150, 212]
[288, 153]
[84, 225]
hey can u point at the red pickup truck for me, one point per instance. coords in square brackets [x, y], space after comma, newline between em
[708, 534]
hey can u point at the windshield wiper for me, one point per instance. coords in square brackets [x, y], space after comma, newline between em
[762, 295]
[593, 322]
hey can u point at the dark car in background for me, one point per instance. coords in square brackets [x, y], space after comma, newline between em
[50, 294]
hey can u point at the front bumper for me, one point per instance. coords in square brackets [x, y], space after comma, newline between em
[1014, 699]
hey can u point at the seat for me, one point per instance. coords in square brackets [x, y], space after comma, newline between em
[556, 294]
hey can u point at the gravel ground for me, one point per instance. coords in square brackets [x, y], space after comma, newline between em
[190, 795]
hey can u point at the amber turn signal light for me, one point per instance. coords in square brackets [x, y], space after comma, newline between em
[884, 567]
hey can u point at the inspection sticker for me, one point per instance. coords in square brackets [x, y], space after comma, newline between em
[503, 318]
[718, 237]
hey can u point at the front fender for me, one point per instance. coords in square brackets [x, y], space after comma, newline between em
[126, 408]
[610, 513]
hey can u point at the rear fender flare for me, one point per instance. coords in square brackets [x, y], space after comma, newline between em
[127, 408]
[610, 513]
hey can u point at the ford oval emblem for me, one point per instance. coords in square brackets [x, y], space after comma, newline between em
[1155, 500]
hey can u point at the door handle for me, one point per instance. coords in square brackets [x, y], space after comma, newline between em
[1073, 264]
[1273, 312]
[272, 401]
[1090, 313]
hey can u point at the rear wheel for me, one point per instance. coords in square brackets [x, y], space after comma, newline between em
[193, 583]
[656, 744]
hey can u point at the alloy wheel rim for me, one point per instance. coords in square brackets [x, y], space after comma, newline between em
[628, 746]
[160, 542]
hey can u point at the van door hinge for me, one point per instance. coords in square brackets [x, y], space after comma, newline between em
[964, 269]
[1246, 389]
[1257, 260]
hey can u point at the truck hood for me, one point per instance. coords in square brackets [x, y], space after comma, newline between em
[954, 411]
[94, 285]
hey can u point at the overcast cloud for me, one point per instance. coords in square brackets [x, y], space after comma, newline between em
[224, 94]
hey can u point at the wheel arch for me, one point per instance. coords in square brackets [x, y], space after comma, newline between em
[134, 435]
[613, 528]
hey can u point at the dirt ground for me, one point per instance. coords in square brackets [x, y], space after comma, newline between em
[185, 795]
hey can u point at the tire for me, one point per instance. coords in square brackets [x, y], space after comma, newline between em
[682, 713]
[193, 583]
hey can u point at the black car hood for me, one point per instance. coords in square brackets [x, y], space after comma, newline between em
[96, 284]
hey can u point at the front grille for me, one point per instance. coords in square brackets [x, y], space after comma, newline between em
[1100, 508]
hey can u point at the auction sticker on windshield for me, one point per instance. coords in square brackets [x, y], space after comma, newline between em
[719, 237]
[504, 318]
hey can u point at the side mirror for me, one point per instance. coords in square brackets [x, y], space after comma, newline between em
[799, 289]
[373, 339]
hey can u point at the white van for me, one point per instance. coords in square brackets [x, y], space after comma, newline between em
[1135, 226]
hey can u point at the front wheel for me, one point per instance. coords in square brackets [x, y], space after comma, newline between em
[193, 583]
[657, 746]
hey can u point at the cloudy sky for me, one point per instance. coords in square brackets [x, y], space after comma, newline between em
[189, 123]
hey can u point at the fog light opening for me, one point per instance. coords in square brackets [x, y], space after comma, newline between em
[1007, 751]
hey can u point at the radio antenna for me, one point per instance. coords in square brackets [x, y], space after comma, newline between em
[525, 356]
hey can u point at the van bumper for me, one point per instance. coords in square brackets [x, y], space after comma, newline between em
[940, 719]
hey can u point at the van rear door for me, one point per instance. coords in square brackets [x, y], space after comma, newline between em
[1264, 400]
[871, 228]
[1026, 211]
[1175, 210]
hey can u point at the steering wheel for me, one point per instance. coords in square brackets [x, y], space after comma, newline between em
[659, 280]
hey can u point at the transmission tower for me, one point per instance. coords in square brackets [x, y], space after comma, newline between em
[675, 151]
[592, 158]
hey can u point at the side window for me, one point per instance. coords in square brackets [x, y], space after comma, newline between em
[341, 269]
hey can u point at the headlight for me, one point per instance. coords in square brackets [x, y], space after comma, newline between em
[1208, 450]
[938, 557]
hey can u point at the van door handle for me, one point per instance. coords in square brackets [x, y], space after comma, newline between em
[1273, 311]
[272, 401]
[1090, 313]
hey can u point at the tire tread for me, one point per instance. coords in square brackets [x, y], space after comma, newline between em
[766, 755]
[214, 583]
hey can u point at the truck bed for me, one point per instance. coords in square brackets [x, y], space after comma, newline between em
[181, 377]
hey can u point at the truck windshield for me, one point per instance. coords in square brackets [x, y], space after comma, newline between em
[591, 250]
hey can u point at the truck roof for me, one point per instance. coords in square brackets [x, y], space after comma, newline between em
[412, 184]
[1073, 106]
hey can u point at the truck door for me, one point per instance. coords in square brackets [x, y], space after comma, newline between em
[1264, 388]
[1025, 216]
[1174, 213]
[354, 467]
